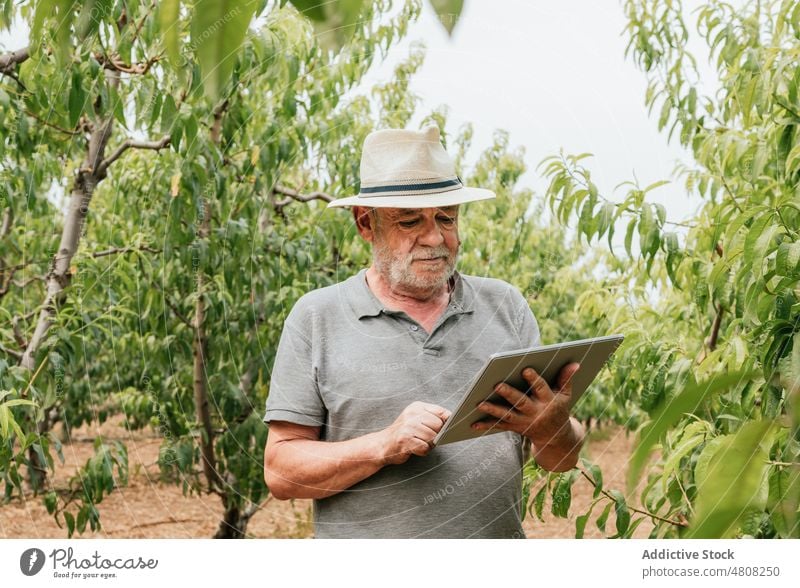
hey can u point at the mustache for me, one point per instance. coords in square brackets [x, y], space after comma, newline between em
[431, 253]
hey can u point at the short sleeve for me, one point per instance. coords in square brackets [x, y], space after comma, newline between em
[525, 322]
[293, 391]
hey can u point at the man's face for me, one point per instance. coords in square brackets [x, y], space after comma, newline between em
[415, 249]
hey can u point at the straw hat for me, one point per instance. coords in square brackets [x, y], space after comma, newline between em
[409, 169]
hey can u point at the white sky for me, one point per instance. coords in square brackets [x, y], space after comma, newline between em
[554, 75]
[551, 73]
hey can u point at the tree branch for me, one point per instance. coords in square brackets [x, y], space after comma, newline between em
[174, 309]
[15, 77]
[292, 194]
[712, 340]
[7, 281]
[114, 250]
[139, 26]
[51, 125]
[8, 218]
[19, 266]
[15, 354]
[8, 61]
[130, 144]
[634, 509]
[18, 336]
[254, 508]
[112, 63]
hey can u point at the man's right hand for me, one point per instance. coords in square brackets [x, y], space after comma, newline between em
[412, 431]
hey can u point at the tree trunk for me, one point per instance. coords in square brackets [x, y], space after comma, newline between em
[232, 525]
[59, 274]
[200, 348]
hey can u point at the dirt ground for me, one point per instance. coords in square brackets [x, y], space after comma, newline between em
[147, 508]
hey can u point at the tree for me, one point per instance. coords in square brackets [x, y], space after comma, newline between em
[195, 219]
[212, 170]
[715, 361]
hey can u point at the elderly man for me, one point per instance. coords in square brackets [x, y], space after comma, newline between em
[369, 369]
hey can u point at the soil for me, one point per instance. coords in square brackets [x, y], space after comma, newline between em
[149, 508]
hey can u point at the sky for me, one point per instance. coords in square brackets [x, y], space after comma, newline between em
[551, 73]
[554, 75]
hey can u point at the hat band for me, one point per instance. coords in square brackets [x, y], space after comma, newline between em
[373, 190]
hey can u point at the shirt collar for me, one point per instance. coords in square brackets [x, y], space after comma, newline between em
[365, 303]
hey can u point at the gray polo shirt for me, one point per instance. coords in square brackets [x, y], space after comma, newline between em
[350, 365]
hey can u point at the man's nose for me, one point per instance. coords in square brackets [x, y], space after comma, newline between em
[432, 235]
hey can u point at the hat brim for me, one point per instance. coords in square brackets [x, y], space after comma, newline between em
[449, 198]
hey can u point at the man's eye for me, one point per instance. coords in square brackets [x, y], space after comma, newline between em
[408, 223]
[446, 220]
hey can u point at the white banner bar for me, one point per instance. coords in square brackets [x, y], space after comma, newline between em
[356, 563]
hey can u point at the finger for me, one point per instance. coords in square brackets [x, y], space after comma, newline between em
[439, 411]
[432, 422]
[517, 399]
[539, 386]
[424, 432]
[419, 447]
[503, 413]
[493, 424]
[565, 378]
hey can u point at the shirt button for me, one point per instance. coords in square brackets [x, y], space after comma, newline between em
[414, 328]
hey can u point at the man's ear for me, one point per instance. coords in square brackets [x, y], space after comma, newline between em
[364, 222]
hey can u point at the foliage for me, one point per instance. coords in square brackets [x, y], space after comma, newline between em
[180, 250]
[160, 232]
[714, 358]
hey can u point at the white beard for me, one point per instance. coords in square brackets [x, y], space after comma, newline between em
[398, 270]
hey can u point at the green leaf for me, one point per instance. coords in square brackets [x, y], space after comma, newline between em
[170, 24]
[789, 367]
[734, 481]
[168, 114]
[671, 242]
[655, 185]
[601, 520]
[5, 422]
[61, 13]
[784, 492]
[81, 523]
[448, 12]
[70, 520]
[785, 145]
[50, 502]
[19, 402]
[77, 98]
[217, 30]
[597, 477]
[44, 9]
[787, 260]
[562, 494]
[538, 502]
[580, 521]
[670, 413]
[759, 161]
[693, 435]
[606, 218]
[92, 13]
[622, 512]
[313, 9]
[629, 236]
[116, 106]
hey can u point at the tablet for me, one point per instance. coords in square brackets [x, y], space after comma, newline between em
[507, 367]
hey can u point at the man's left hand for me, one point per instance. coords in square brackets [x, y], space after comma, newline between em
[543, 416]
